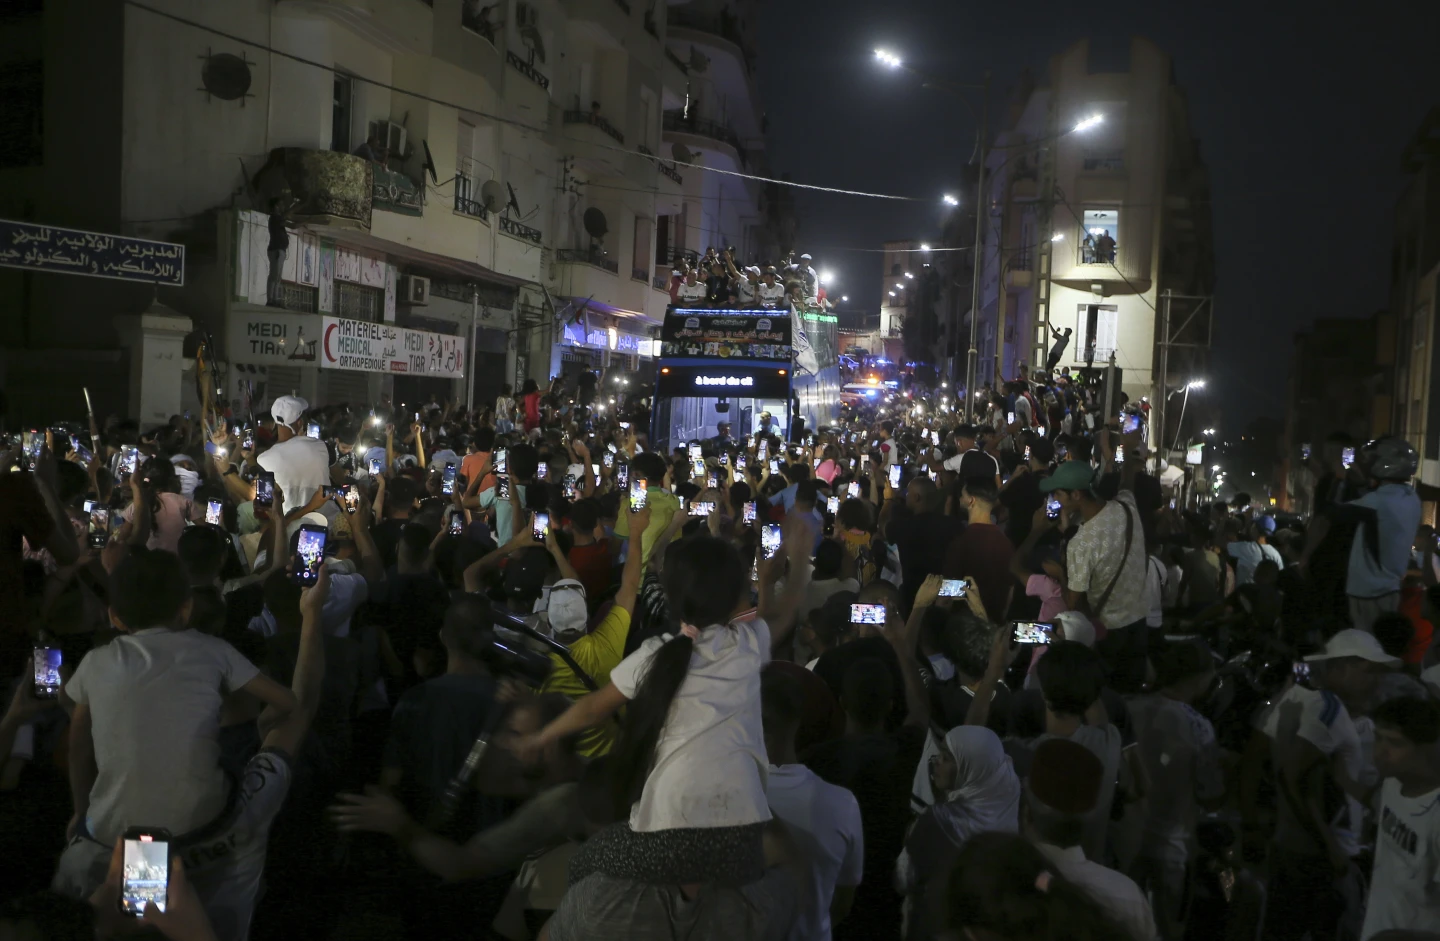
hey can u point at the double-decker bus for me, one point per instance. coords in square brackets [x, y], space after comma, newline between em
[721, 365]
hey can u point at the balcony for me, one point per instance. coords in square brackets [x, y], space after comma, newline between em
[677, 122]
[677, 61]
[398, 26]
[594, 119]
[1103, 161]
[639, 274]
[661, 282]
[325, 187]
[528, 70]
[465, 204]
[723, 25]
[478, 22]
[393, 191]
[592, 256]
[518, 230]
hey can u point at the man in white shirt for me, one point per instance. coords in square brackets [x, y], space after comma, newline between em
[1063, 788]
[1310, 737]
[969, 460]
[301, 465]
[1405, 886]
[824, 819]
[1249, 554]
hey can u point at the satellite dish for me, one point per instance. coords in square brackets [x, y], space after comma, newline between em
[699, 61]
[595, 223]
[492, 195]
[430, 162]
[682, 154]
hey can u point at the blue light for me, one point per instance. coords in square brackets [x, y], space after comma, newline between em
[869, 391]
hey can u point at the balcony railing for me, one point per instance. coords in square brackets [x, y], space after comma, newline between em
[724, 24]
[527, 70]
[299, 297]
[1102, 160]
[639, 274]
[464, 187]
[670, 171]
[326, 187]
[594, 120]
[395, 192]
[1096, 254]
[588, 257]
[519, 230]
[645, 150]
[679, 63]
[689, 124]
[661, 282]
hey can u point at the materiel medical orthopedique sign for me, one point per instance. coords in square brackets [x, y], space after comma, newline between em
[382, 347]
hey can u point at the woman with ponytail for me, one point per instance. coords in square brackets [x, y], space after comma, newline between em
[688, 772]
[1004, 889]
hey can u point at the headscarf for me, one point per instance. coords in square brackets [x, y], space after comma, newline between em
[985, 797]
[986, 794]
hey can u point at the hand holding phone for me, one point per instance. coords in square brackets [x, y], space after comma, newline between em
[770, 541]
[1032, 632]
[872, 614]
[47, 672]
[213, 509]
[539, 525]
[638, 494]
[309, 554]
[953, 588]
[145, 870]
[265, 489]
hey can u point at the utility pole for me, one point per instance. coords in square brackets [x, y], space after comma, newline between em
[972, 357]
[1157, 434]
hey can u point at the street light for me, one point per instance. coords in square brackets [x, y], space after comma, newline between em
[899, 286]
[826, 277]
[924, 247]
[1208, 431]
[888, 59]
[892, 293]
[909, 275]
[1087, 123]
[844, 298]
[950, 200]
[1180, 425]
[1214, 467]
[1058, 237]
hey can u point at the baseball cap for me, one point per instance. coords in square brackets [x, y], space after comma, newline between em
[1065, 776]
[566, 607]
[805, 257]
[288, 408]
[1354, 643]
[1071, 475]
[1266, 524]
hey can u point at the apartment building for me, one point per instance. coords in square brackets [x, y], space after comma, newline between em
[1088, 228]
[1414, 294]
[473, 193]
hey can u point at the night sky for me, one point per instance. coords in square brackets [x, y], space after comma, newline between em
[1301, 112]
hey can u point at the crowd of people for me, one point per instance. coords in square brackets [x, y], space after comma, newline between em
[713, 280]
[905, 677]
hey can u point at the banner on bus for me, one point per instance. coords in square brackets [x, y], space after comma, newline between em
[384, 347]
[726, 334]
[724, 381]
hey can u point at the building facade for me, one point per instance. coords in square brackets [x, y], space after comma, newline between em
[1088, 229]
[1414, 292]
[512, 176]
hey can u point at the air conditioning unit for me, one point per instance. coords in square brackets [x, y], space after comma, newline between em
[415, 291]
[392, 134]
[526, 15]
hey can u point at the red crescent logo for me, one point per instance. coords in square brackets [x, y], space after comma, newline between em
[329, 330]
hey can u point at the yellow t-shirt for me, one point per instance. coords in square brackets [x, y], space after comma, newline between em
[663, 505]
[597, 653]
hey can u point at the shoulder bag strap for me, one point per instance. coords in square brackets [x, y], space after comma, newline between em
[1129, 541]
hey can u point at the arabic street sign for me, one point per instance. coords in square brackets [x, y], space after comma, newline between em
[92, 254]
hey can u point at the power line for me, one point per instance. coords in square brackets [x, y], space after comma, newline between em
[534, 129]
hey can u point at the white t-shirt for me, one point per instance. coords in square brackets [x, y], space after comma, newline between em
[825, 822]
[771, 295]
[691, 292]
[1113, 891]
[1320, 718]
[154, 699]
[301, 466]
[1095, 553]
[1405, 887]
[1248, 556]
[710, 764]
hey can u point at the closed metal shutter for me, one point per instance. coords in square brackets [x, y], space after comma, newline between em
[279, 380]
[345, 386]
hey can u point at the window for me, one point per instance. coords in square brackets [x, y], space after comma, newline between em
[467, 184]
[1101, 321]
[662, 240]
[340, 110]
[358, 302]
[1101, 242]
[638, 269]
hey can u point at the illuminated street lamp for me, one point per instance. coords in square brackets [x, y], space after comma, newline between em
[1087, 123]
[950, 200]
[888, 59]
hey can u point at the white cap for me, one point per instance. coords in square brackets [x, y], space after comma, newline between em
[566, 607]
[1354, 643]
[313, 518]
[288, 408]
[805, 258]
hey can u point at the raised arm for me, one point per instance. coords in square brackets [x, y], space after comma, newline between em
[289, 733]
[780, 611]
[630, 577]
